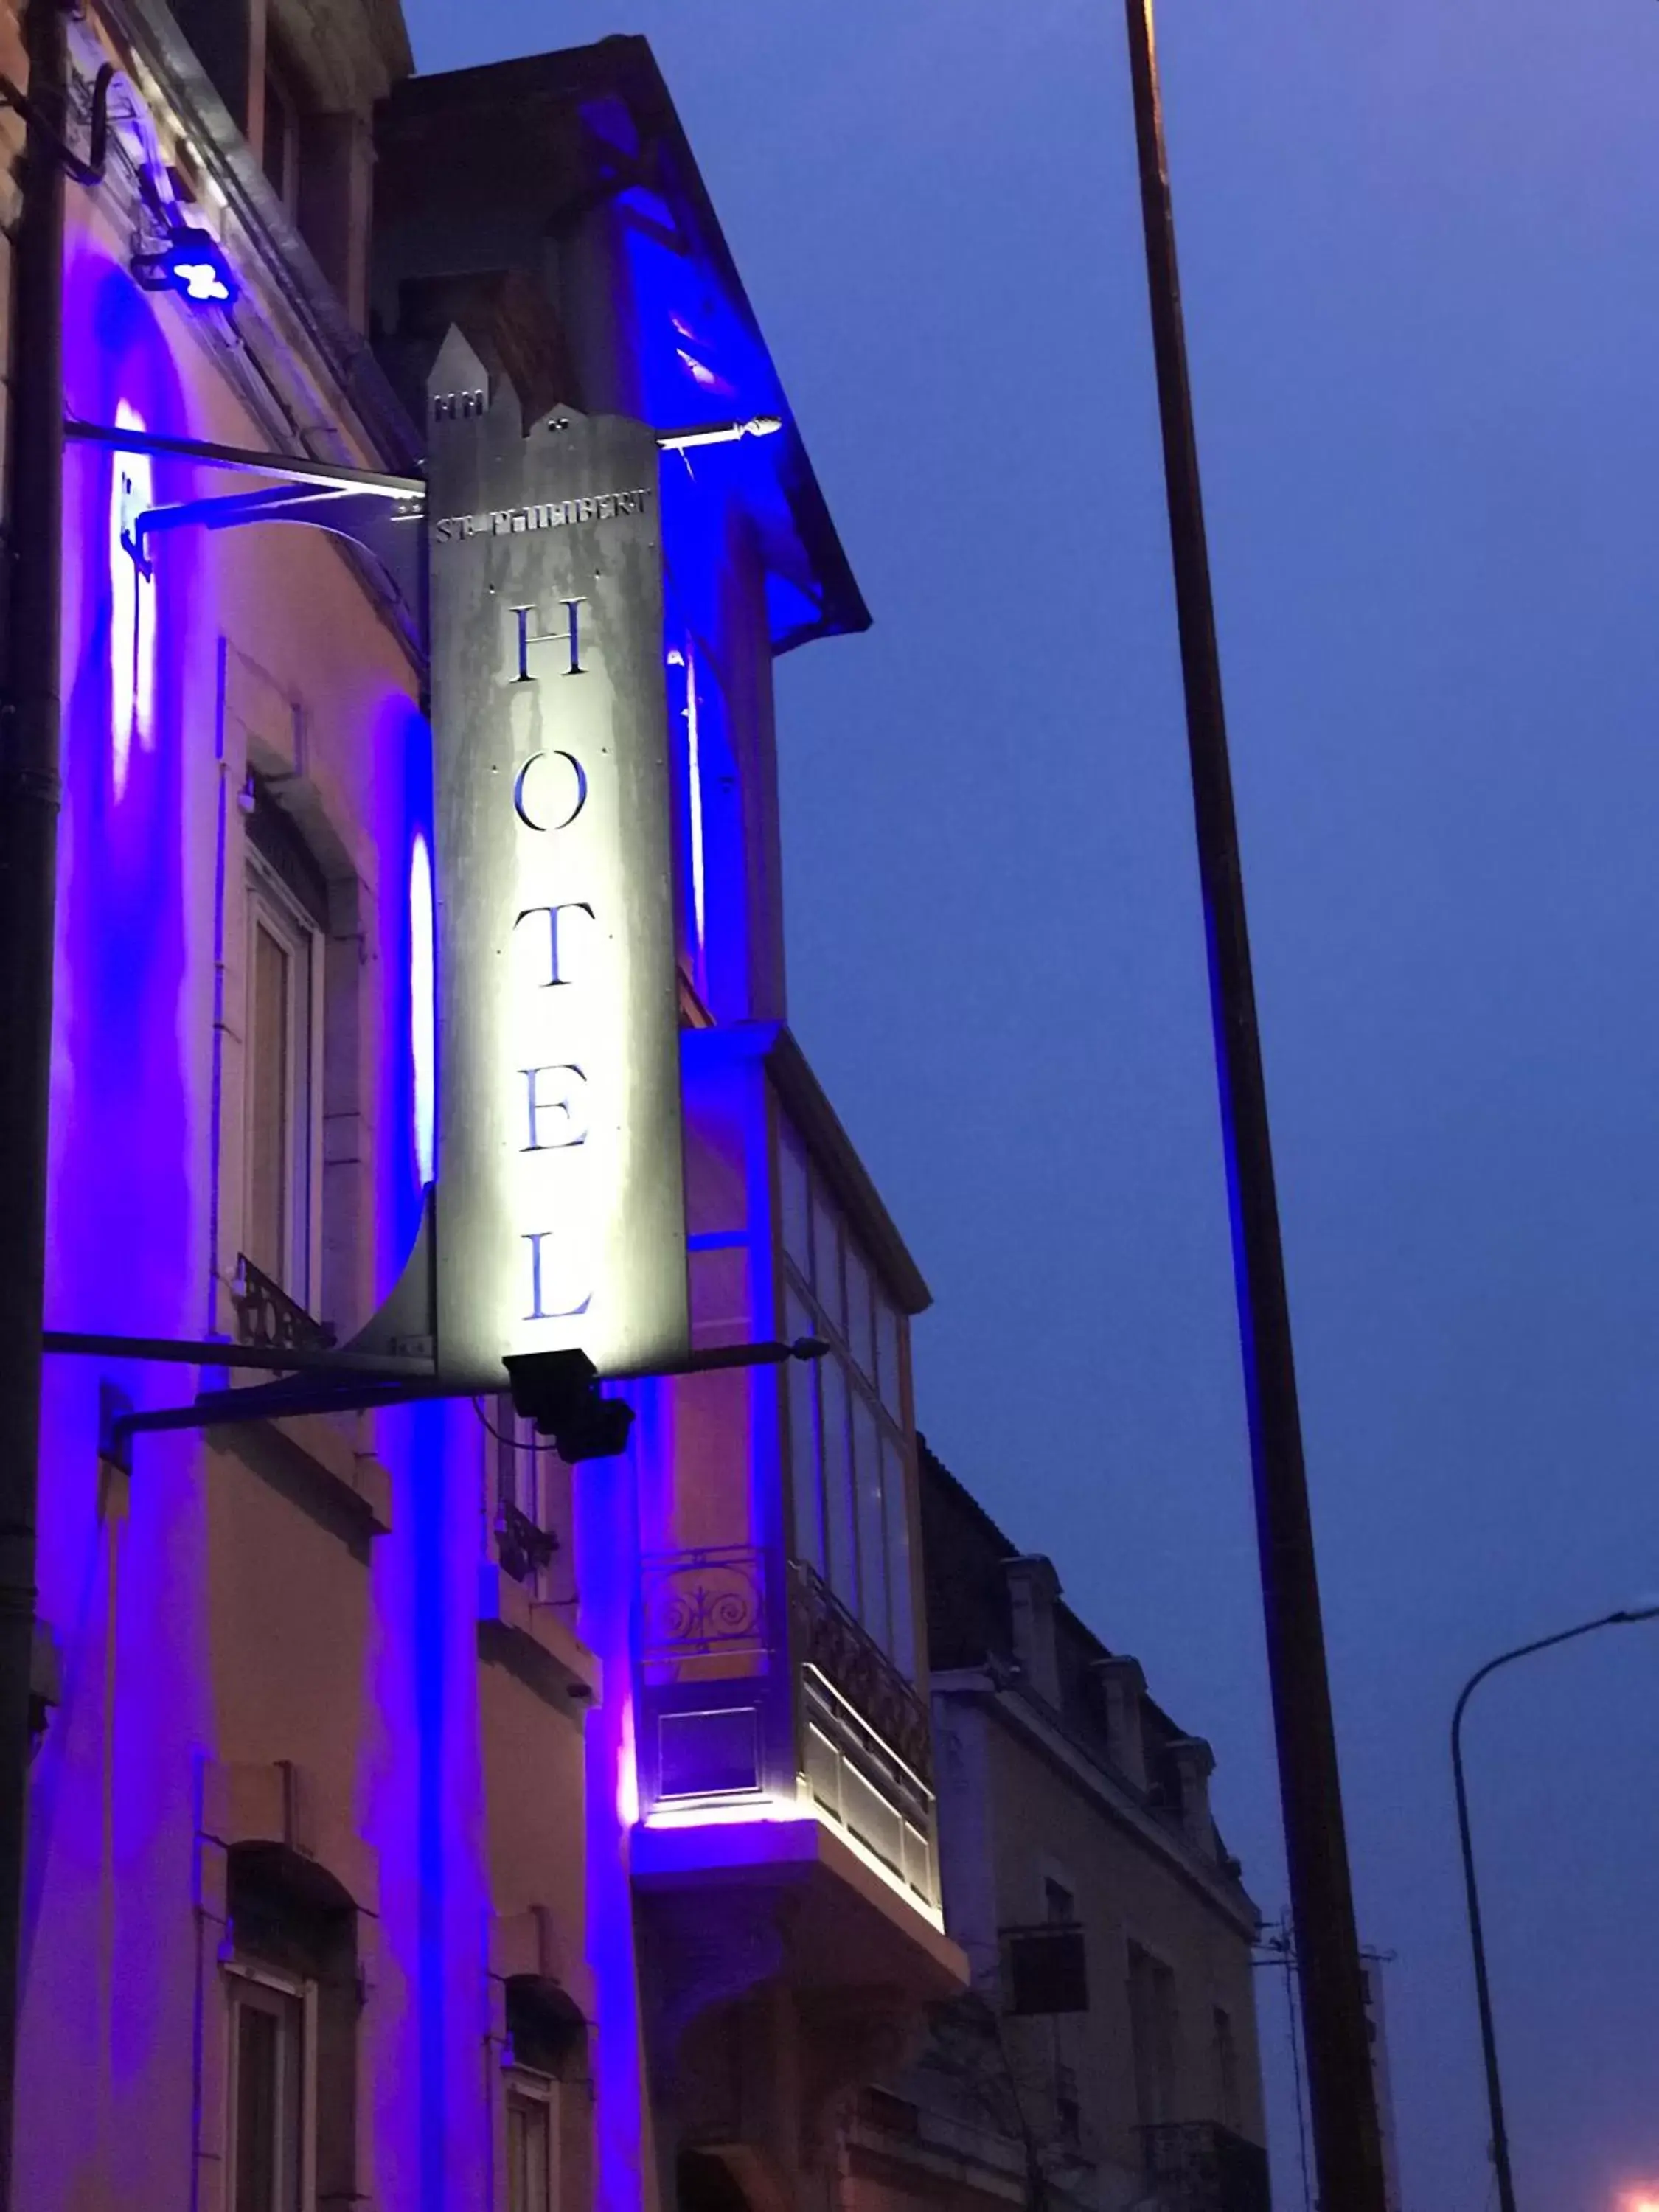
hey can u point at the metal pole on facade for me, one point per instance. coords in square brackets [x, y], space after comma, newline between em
[1341, 2093]
[1500, 2140]
[29, 714]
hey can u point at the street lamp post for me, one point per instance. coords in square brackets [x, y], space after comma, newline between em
[1342, 2090]
[1500, 2141]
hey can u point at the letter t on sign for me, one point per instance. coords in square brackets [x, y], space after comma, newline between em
[570, 636]
[569, 906]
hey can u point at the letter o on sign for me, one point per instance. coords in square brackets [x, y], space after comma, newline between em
[529, 793]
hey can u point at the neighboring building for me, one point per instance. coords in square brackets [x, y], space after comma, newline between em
[1377, 2026]
[1106, 2055]
[420, 1821]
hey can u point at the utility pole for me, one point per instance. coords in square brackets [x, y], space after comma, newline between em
[30, 590]
[1347, 2144]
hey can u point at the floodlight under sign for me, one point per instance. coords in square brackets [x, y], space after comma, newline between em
[192, 263]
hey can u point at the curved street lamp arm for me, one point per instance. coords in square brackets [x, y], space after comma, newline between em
[1500, 2144]
[1523, 1651]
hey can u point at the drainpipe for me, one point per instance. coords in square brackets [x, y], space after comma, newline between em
[30, 613]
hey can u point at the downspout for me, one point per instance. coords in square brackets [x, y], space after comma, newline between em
[30, 613]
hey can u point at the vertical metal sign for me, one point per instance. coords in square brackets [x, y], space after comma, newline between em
[560, 1218]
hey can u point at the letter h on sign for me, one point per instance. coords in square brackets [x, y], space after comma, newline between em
[570, 636]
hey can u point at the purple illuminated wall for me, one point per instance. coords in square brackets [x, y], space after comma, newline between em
[118, 1956]
[114, 2019]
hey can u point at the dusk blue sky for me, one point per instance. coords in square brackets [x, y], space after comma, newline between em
[1420, 252]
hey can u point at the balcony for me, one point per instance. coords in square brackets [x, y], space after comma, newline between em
[1194, 2166]
[780, 1739]
[268, 1317]
[777, 1704]
[775, 1741]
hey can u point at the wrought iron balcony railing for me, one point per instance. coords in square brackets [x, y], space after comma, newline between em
[524, 1550]
[1196, 2165]
[831, 1641]
[266, 1316]
[702, 1605]
[867, 1745]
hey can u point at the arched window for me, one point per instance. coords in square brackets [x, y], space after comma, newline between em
[292, 2002]
[546, 2051]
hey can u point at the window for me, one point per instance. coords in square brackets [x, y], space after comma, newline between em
[528, 1501]
[272, 2138]
[837, 1504]
[280, 129]
[848, 1451]
[1153, 2036]
[1068, 2107]
[805, 1469]
[532, 2135]
[1226, 2069]
[286, 920]
[291, 2005]
[546, 2050]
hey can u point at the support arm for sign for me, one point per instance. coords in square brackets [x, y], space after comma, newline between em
[291, 468]
[208, 1351]
[275, 503]
[294, 468]
[379, 513]
[356, 1386]
[388, 531]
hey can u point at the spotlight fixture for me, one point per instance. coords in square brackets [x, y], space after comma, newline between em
[560, 1392]
[191, 264]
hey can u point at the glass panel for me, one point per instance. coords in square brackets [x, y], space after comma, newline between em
[300, 1094]
[857, 1309]
[838, 1482]
[269, 2118]
[796, 1204]
[826, 1261]
[901, 1600]
[529, 2154]
[887, 1358]
[268, 1131]
[803, 1442]
[291, 2138]
[258, 2098]
[720, 1297]
[873, 1534]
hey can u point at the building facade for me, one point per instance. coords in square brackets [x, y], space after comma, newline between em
[422, 1817]
[1105, 2056]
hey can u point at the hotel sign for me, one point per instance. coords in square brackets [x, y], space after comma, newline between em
[560, 1215]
